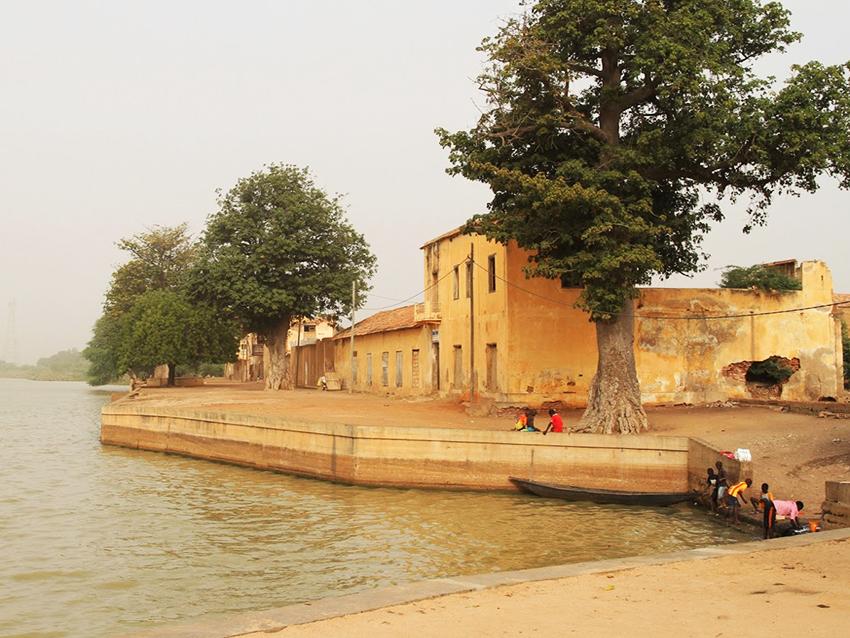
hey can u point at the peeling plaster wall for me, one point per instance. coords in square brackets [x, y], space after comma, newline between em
[703, 353]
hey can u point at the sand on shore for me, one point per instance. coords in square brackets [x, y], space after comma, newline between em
[797, 591]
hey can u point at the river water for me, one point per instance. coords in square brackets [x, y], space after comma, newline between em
[97, 540]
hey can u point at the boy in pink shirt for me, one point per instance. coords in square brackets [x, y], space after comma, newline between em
[790, 510]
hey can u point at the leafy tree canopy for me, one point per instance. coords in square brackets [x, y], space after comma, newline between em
[163, 327]
[280, 247]
[103, 350]
[146, 305]
[758, 276]
[606, 120]
[160, 259]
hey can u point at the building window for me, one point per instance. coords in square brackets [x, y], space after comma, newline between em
[468, 280]
[369, 369]
[456, 283]
[385, 369]
[399, 368]
[491, 273]
[309, 328]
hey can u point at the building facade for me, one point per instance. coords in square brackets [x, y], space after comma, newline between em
[485, 330]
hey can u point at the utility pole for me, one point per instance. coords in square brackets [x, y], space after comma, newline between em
[351, 366]
[470, 279]
[298, 349]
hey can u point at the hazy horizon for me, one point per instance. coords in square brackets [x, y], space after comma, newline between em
[121, 116]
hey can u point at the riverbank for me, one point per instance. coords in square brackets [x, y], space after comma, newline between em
[795, 453]
[760, 589]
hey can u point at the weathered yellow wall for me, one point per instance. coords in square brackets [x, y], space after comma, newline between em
[553, 345]
[403, 456]
[547, 348]
[684, 360]
[405, 341]
[492, 325]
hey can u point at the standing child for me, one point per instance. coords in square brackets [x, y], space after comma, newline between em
[711, 487]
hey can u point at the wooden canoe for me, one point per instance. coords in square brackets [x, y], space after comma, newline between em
[605, 497]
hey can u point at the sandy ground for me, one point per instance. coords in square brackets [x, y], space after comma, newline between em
[794, 453]
[799, 591]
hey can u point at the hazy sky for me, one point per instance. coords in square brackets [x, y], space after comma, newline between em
[116, 116]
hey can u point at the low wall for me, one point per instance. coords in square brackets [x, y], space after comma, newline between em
[836, 507]
[403, 456]
[702, 456]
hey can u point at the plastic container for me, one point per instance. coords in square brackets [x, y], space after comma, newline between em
[743, 454]
[813, 526]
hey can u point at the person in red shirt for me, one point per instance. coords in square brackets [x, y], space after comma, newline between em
[556, 423]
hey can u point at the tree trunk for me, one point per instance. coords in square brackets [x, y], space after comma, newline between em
[277, 376]
[172, 374]
[613, 402]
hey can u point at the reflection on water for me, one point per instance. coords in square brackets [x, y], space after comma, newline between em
[99, 540]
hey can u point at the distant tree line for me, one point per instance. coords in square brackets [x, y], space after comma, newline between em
[67, 365]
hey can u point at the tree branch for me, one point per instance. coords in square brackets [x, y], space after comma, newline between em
[585, 68]
[636, 97]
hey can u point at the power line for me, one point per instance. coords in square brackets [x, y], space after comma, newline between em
[421, 292]
[682, 317]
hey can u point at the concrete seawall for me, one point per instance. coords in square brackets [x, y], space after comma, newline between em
[408, 456]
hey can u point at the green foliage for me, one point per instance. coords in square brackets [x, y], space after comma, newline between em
[845, 346]
[773, 370]
[607, 120]
[280, 247]
[102, 351]
[761, 277]
[161, 257]
[148, 319]
[163, 327]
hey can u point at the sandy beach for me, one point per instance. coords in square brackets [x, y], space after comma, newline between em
[801, 590]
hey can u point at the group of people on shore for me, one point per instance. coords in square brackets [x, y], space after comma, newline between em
[730, 498]
[525, 422]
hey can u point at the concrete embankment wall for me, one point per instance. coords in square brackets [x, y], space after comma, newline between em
[403, 456]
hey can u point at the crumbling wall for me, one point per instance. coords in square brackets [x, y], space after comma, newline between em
[684, 356]
[836, 507]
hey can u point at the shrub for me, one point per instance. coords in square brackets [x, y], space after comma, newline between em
[761, 277]
[773, 370]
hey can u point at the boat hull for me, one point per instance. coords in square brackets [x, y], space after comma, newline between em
[604, 497]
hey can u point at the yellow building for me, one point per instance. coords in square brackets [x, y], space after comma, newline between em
[394, 353]
[485, 330]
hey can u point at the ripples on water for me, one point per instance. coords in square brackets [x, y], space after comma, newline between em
[99, 540]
